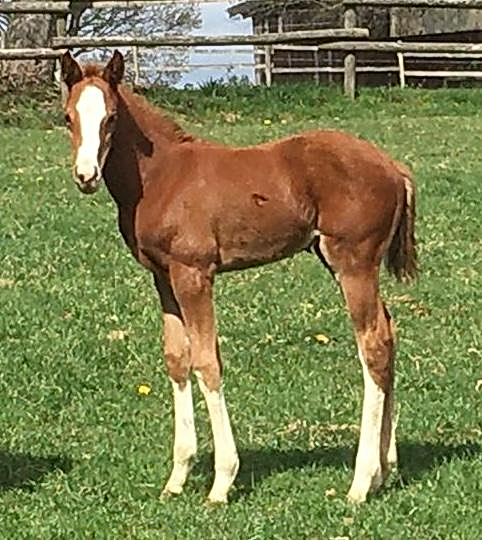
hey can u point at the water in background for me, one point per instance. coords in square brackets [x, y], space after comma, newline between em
[216, 21]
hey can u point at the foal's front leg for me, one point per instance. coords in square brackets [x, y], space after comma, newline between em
[176, 354]
[193, 290]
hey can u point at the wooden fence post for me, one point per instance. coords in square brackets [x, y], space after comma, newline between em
[316, 62]
[268, 57]
[401, 66]
[269, 65]
[350, 60]
[61, 32]
[135, 64]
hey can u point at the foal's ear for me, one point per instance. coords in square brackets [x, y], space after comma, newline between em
[71, 71]
[114, 70]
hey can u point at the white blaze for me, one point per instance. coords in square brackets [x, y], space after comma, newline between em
[92, 110]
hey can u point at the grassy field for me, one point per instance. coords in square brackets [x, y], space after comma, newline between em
[82, 455]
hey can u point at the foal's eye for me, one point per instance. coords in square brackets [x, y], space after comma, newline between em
[68, 120]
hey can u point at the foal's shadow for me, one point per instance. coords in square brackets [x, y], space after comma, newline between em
[24, 471]
[415, 460]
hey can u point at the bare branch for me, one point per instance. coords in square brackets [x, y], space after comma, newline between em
[151, 20]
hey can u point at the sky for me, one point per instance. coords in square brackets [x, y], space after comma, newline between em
[215, 21]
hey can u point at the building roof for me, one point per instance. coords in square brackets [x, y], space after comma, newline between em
[250, 8]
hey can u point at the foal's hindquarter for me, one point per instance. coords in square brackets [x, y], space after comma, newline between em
[203, 208]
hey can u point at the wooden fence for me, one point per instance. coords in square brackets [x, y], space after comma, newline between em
[403, 49]
[350, 40]
[63, 42]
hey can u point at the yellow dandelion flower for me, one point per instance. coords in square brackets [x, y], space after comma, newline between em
[144, 389]
[321, 338]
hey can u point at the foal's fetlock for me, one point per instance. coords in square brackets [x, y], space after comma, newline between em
[362, 486]
[223, 480]
[171, 490]
[178, 477]
[233, 468]
[387, 469]
[392, 457]
[168, 493]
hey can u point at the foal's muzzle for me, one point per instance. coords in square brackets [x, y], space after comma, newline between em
[88, 183]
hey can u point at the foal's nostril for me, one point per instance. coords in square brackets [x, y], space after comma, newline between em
[78, 175]
[83, 178]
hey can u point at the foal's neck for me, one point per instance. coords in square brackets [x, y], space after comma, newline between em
[143, 137]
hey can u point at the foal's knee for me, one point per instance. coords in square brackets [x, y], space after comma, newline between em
[209, 374]
[176, 349]
[178, 367]
[206, 363]
[178, 361]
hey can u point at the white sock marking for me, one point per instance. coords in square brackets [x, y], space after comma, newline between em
[92, 110]
[368, 474]
[392, 456]
[185, 445]
[225, 454]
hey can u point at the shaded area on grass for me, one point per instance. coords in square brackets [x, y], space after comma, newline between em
[415, 460]
[25, 470]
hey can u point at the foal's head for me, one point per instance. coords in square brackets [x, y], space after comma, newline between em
[91, 115]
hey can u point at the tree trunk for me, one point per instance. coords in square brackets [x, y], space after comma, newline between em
[28, 31]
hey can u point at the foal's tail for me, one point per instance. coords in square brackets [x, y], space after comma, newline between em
[401, 259]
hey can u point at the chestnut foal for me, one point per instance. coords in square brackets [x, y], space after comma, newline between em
[189, 208]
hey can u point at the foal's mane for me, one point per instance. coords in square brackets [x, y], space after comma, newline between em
[154, 116]
[140, 106]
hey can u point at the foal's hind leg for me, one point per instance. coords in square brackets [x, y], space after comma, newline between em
[176, 354]
[375, 342]
[193, 289]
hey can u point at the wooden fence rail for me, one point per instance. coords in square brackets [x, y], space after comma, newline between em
[402, 46]
[59, 8]
[30, 54]
[461, 4]
[196, 41]
[62, 43]
[63, 8]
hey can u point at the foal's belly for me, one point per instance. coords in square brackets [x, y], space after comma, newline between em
[262, 234]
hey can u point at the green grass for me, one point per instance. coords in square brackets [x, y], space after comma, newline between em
[83, 456]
